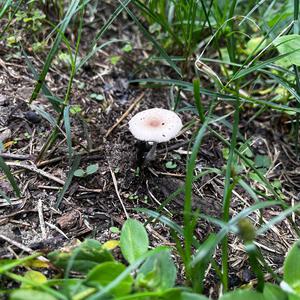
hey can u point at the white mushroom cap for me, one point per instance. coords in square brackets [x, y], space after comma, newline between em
[155, 125]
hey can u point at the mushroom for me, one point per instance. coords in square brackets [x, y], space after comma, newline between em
[155, 125]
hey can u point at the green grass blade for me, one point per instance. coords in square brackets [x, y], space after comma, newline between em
[228, 187]
[3, 8]
[111, 19]
[55, 101]
[232, 226]
[197, 97]
[69, 14]
[4, 196]
[187, 211]
[17, 262]
[11, 18]
[277, 219]
[4, 167]
[68, 130]
[158, 47]
[75, 166]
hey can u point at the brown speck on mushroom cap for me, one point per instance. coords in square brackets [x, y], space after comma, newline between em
[155, 125]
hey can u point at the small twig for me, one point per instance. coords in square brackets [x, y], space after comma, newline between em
[57, 229]
[23, 211]
[159, 236]
[125, 114]
[41, 218]
[33, 168]
[17, 244]
[4, 203]
[117, 191]
[16, 156]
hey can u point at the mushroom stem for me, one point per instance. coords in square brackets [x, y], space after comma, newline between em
[151, 154]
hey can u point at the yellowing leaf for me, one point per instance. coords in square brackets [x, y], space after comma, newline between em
[110, 245]
[35, 277]
[36, 263]
[8, 144]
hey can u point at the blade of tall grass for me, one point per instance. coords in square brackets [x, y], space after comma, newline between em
[94, 51]
[68, 181]
[4, 196]
[11, 18]
[253, 255]
[158, 47]
[279, 218]
[4, 7]
[233, 94]
[231, 226]
[155, 17]
[297, 76]
[73, 59]
[69, 14]
[68, 130]
[259, 66]
[4, 167]
[197, 97]
[187, 210]
[55, 101]
[17, 262]
[111, 19]
[44, 114]
[228, 187]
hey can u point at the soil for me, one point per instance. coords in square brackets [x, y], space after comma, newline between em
[92, 205]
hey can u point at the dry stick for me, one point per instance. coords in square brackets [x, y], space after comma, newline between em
[33, 168]
[117, 191]
[126, 113]
[41, 218]
[57, 229]
[36, 170]
[15, 243]
[16, 156]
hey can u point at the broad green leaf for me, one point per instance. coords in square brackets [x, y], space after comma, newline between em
[83, 258]
[105, 273]
[158, 272]
[274, 292]
[134, 240]
[291, 273]
[289, 44]
[243, 295]
[262, 161]
[26, 294]
[190, 296]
